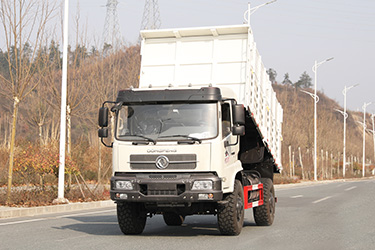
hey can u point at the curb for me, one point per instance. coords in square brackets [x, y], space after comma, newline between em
[10, 212]
[320, 182]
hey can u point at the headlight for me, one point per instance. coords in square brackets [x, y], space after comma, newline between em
[125, 185]
[200, 185]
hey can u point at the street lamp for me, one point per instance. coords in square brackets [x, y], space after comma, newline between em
[252, 10]
[345, 117]
[364, 137]
[314, 69]
[316, 100]
[60, 195]
[373, 130]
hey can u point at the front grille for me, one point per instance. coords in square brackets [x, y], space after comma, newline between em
[163, 189]
[176, 161]
[162, 192]
[163, 176]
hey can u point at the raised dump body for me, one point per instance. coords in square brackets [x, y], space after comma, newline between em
[222, 56]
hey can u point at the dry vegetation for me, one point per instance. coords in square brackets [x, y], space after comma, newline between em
[97, 78]
[91, 81]
[30, 83]
[298, 137]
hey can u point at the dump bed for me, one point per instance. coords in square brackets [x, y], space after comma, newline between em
[221, 56]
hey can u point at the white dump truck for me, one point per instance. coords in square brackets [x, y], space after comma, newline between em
[200, 135]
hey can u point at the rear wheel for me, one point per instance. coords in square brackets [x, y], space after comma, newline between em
[173, 219]
[231, 214]
[265, 214]
[131, 217]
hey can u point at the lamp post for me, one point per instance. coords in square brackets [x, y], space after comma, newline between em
[364, 137]
[60, 195]
[316, 100]
[345, 117]
[252, 10]
[314, 69]
[373, 130]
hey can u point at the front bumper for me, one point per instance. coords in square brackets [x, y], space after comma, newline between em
[166, 188]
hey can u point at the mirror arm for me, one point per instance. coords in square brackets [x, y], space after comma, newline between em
[104, 103]
[226, 143]
[108, 146]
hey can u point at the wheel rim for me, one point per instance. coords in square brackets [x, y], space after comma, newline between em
[272, 204]
[239, 207]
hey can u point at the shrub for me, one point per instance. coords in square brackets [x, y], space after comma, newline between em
[32, 161]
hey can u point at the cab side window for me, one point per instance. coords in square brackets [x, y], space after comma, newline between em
[225, 119]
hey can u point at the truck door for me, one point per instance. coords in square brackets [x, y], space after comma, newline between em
[229, 141]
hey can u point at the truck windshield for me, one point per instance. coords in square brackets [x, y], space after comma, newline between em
[167, 122]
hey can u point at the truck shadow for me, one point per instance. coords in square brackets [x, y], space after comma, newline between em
[155, 227]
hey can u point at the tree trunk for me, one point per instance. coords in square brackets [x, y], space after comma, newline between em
[40, 134]
[69, 146]
[290, 160]
[300, 162]
[12, 146]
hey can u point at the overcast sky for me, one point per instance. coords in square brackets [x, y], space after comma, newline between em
[290, 35]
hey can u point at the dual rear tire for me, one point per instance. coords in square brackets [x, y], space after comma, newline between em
[265, 214]
[231, 213]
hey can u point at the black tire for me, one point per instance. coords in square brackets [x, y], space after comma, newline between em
[131, 217]
[173, 219]
[231, 214]
[265, 214]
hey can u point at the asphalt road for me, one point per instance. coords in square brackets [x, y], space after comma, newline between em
[338, 215]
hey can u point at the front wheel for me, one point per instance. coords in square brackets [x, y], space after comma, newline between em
[265, 214]
[231, 214]
[131, 218]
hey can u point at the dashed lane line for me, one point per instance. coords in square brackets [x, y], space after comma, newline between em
[351, 188]
[296, 196]
[323, 199]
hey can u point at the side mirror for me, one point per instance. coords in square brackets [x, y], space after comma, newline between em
[238, 130]
[103, 117]
[103, 132]
[238, 114]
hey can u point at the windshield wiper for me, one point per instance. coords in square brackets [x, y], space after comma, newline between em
[184, 136]
[141, 136]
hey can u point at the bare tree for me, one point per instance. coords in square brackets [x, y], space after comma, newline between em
[24, 24]
[39, 113]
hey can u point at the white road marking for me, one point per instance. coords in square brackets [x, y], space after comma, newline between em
[348, 189]
[296, 196]
[323, 199]
[21, 221]
[51, 218]
[96, 212]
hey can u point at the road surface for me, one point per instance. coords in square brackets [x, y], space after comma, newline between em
[336, 215]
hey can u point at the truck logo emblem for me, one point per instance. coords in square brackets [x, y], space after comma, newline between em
[162, 162]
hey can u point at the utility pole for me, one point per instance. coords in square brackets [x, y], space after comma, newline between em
[111, 32]
[316, 98]
[373, 130]
[364, 138]
[151, 16]
[61, 181]
[346, 89]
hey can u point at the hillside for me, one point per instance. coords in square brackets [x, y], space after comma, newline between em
[298, 131]
[93, 78]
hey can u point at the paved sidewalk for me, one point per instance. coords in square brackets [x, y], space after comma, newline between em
[9, 212]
